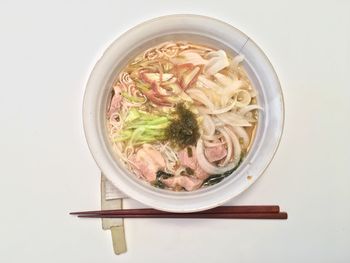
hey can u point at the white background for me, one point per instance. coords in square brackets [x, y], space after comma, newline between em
[46, 53]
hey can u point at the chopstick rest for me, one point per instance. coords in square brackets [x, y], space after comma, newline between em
[115, 225]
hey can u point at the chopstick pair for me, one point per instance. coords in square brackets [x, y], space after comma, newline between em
[222, 212]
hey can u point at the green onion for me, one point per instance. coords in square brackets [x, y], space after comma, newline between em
[133, 114]
[141, 127]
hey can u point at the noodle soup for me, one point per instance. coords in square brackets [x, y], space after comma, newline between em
[182, 116]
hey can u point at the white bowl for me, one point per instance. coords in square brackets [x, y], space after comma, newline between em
[198, 29]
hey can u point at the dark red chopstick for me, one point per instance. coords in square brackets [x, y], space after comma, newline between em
[220, 209]
[229, 212]
[280, 215]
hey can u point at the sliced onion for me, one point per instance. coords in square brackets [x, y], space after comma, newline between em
[231, 89]
[245, 98]
[206, 165]
[193, 58]
[199, 96]
[215, 65]
[220, 111]
[249, 117]
[207, 83]
[210, 138]
[236, 146]
[218, 122]
[233, 119]
[223, 80]
[241, 133]
[208, 125]
[217, 61]
[213, 144]
[237, 59]
[229, 145]
[213, 95]
[248, 108]
[216, 53]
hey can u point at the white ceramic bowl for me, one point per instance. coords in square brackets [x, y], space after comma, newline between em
[198, 29]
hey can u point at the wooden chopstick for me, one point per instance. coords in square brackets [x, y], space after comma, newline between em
[280, 215]
[220, 209]
[263, 212]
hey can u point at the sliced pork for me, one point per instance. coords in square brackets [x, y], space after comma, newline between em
[148, 161]
[188, 159]
[116, 101]
[216, 153]
[189, 183]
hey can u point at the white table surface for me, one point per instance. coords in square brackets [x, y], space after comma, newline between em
[46, 53]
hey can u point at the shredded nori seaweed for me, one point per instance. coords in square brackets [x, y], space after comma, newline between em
[161, 175]
[183, 129]
[189, 171]
[189, 152]
[158, 184]
[217, 178]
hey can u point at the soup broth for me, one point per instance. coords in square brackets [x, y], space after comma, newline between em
[182, 115]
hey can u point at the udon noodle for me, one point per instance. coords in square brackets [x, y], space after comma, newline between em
[182, 116]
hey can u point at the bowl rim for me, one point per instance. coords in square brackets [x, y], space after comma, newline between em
[98, 152]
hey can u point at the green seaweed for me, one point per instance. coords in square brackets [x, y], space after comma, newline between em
[159, 176]
[163, 175]
[183, 130]
[217, 178]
